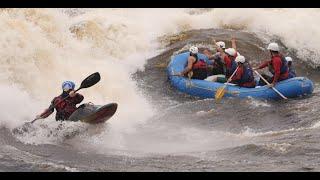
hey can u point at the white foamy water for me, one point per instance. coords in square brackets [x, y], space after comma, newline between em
[40, 48]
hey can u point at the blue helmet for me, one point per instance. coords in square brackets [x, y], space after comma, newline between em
[67, 85]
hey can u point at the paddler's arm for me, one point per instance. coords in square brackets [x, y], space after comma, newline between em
[233, 44]
[46, 113]
[76, 97]
[189, 66]
[263, 65]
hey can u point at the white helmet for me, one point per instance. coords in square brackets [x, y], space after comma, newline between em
[221, 44]
[240, 59]
[273, 47]
[231, 51]
[288, 58]
[193, 49]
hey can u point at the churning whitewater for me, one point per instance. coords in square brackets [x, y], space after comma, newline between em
[156, 127]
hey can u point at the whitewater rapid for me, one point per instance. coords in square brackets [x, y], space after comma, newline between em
[40, 48]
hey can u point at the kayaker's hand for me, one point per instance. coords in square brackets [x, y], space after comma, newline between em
[72, 94]
[254, 69]
[38, 116]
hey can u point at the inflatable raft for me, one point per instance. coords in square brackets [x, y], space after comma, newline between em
[291, 88]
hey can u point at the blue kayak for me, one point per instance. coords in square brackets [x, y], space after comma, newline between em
[291, 88]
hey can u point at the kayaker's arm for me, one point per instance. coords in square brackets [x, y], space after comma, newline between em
[46, 112]
[78, 98]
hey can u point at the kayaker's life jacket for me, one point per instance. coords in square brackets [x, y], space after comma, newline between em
[66, 107]
[199, 69]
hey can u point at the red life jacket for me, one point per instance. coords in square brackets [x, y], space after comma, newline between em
[231, 65]
[284, 70]
[66, 107]
[199, 69]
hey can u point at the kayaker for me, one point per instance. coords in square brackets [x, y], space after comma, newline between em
[292, 71]
[277, 66]
[244, 74]
[196, 68]
[68, 106]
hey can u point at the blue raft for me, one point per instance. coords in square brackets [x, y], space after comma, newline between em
[291, 88]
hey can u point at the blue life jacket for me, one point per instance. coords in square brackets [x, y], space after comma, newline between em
[292, 72]
[247, 74]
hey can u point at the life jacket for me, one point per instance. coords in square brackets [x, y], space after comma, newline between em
[247, 77]
[233, 66]
[284, 66]
[292, 72]
[65, 108]
[218, 67]
[230, 70]
[199, 69]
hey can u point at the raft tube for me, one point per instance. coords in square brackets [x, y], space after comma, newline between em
[291, 88]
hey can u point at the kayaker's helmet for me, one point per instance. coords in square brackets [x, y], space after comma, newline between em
[221, 44]
[231, 51]
[193, 50]
[289, 59]
[240, 59]
[273, 47]
[67, 85]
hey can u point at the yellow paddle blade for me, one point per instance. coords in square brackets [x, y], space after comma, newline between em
[220, 93]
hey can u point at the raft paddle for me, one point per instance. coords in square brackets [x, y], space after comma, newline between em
[269, 84]
[88, 82]
[221, 91]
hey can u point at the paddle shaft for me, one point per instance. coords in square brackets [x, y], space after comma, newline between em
[269, 84]
[230, 78]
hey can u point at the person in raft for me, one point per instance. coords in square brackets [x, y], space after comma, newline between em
[244, 74]
[196, 68]
[277, 66]
[292, 71]
[227, 57]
